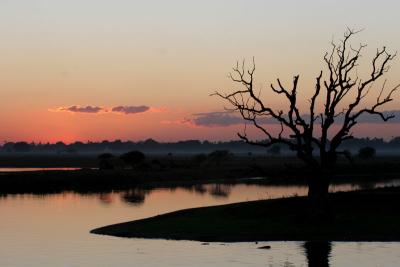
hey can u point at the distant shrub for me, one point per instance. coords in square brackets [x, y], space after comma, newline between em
[275, 150]
[144, 166]
[199, 158]
[106, 161]
[105, 156]
[157, 164]
[133, 158]
[367, 152]
[348, 155]
[219, 155]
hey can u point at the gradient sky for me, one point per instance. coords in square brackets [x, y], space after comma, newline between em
[167, 56]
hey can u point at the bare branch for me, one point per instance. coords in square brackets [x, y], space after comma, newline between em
[342, 81]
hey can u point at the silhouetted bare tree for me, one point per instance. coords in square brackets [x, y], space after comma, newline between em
[340, 94]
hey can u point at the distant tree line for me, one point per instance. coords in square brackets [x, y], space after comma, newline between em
[188, 146]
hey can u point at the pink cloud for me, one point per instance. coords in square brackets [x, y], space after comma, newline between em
[130, 109]
[125, 110]
[79, 109]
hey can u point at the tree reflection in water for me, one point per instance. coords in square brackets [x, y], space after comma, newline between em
[135, 196]
[318, 253]
[106, 198]
[220, 190]
[200, 189]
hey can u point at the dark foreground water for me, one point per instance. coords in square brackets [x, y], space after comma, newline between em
[53, 230]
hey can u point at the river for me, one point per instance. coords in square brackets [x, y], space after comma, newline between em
[53, 230]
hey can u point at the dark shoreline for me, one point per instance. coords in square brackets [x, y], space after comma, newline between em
[368, 215]
[173, 171]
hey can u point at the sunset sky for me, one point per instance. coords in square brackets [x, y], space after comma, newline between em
[126, 69]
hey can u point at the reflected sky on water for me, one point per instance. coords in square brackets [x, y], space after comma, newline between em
[53, 230]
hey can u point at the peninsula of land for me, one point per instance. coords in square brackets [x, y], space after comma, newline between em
[368, 215]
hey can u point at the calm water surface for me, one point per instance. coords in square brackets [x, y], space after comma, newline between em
[53, 230]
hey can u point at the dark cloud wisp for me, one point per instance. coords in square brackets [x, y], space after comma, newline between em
[84, 109]
[130, 109]
[127, 110]
[223, 119]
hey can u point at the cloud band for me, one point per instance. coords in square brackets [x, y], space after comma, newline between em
[224, 119]
[127, 110]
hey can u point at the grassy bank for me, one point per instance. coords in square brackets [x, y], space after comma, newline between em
[371, 215]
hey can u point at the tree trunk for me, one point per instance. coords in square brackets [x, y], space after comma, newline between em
[318, 253]
[319, 206]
